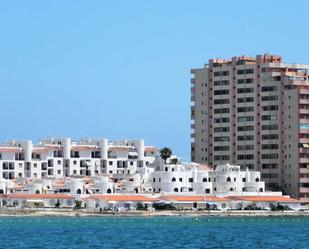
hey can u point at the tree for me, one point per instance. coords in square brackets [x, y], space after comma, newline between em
[174, 160]
[78, 204]
[165, 153]
[57, 204]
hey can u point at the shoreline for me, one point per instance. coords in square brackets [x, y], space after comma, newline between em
[235, 213]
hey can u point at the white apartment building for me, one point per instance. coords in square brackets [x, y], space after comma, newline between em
[253, 112]
[63, 157]
[200, 179]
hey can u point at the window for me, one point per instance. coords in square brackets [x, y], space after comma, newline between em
[204, 179]
[110, 162]
[180, 179]
[228, 179]
[245, 147]
[221, 157]
[269, 88]
[221, 83]
[221, 120]
[221, 110]
[270, 127]
[245, 109]
[269, 98]
[190, 179]
[221, 148]
[270, 156]
[222, 139]
[270, 146]
[245, 157]
[243, 179]
[207, 190]
[154, 180]
[221, 73]
[245, 119]
[270, 108]
[173, 179]
[269, 136]
[245, 90]
[221, 92]
[245, 71]
[245, 138]
[245, 100]
[270, 117]
[221, 101]
[221, 129]
[59, 162]
[245, 128]
[245, 81]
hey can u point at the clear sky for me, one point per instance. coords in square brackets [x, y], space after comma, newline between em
[121, 69]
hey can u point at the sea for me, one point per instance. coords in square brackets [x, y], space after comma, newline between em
[154, 232]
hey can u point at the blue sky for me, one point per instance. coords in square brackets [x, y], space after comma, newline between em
[121, 69]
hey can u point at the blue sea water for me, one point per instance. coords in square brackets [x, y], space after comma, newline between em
[154, 232]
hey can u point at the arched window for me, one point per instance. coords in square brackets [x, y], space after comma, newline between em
[166, 169]
[173, 179]
[37, 192]
[205, 179]
[109, 191]
[257, 179]
[1, 191]
[228, 179]
[231, 189]
[175, 189]
[261, 190]
[78, 191]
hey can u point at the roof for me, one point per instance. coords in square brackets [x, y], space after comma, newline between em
[192, 198]
[204, 167]
[10, 149]
[119, 148]
[151, 149]
[39, 149]
[257, 198]
[85, 147]
[36, 196]
[137, 198]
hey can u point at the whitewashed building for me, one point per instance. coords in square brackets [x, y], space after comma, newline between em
[56, 158]
[200, 179]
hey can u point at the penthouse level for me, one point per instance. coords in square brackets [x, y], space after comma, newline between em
[61, 157]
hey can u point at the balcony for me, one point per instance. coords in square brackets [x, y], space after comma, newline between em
[304, 180]
[304, 190]
[303, 131]
[304, 101]
[304, 170]
[304, 111]
[304, 140]
[304, 160]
